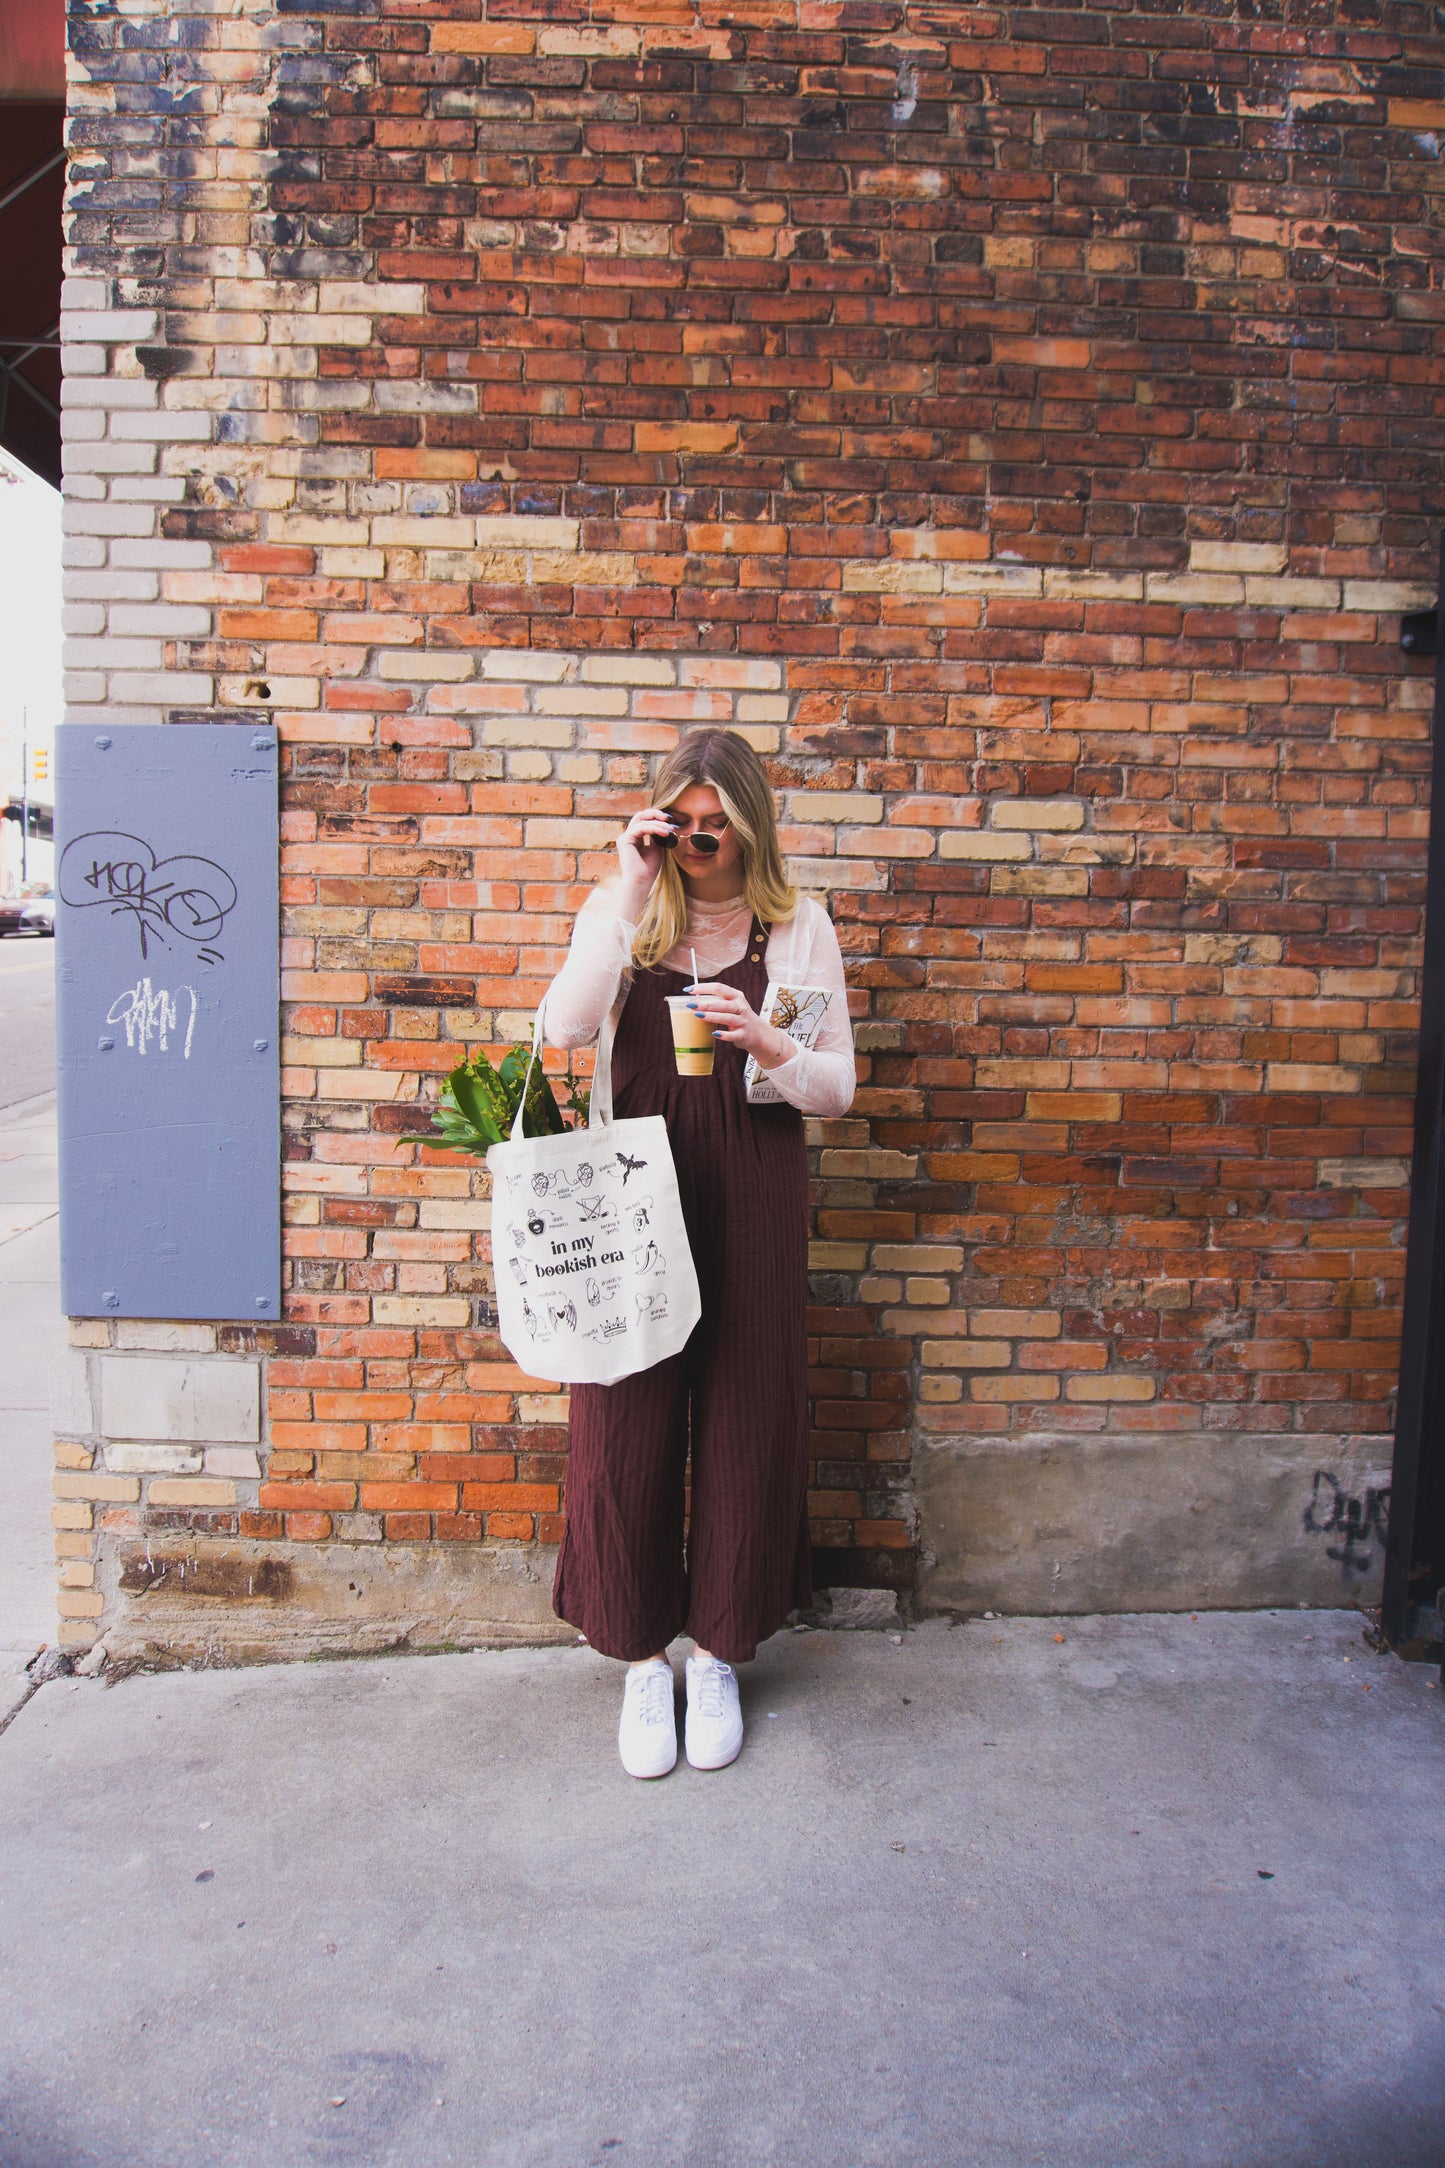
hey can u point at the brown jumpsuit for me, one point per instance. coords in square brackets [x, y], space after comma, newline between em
[737, 1392]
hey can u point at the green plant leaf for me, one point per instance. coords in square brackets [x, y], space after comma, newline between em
[543, 1117]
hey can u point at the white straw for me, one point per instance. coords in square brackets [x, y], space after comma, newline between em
[693, 954]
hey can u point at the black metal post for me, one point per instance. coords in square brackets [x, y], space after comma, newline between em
[1415, 1552]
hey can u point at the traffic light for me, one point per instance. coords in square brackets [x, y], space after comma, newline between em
[40, 765]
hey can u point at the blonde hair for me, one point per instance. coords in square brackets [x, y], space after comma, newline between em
[728, 764]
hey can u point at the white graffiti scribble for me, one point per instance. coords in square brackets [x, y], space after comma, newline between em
[151, 1016]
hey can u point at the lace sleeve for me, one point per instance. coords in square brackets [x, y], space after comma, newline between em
[821, 1079]
[588, 983]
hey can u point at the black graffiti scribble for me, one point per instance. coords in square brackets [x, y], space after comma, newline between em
[1359, 1522]
[183, 897]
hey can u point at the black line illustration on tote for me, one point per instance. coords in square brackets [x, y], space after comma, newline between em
[648, 1258]
[184, 898]
[563, 1314]
[629, 1166]
[600, 1291]
[595, 1208]
[611, 1328]
[651, 1306]
[519, 1270]
[640, 1212]
[529, 1319]
[582, 1175]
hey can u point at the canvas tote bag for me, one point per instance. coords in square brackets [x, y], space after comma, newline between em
[595, 1278]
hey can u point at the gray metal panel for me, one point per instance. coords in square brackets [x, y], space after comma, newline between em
[166, 935]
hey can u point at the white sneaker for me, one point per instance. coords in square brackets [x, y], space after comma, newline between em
[647, 1735]
[714, 1720]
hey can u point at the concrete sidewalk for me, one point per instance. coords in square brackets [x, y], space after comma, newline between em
[1161, 1893]
[32, 1335]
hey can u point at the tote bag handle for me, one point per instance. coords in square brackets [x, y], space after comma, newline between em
[599, 1105]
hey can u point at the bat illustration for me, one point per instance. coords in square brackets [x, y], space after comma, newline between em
[629, 1166]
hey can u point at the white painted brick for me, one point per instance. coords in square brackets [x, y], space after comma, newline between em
[524, 666]
[975, 579]
[1218, 589]
[172, 688]
[580, 700]
[629, 670]
[108, 457]
[237, 1461]
[81, 426]
[112, 326]
[200, 1400]
[1289, 594]
[152, 1457]
[347, 296]
[79, 292]
[526, 730]
[83, 552]
[156, 550]
[524, 531]
[1059, 815]
[164, 426]
[1387, 595]
[307, 330]
[110, 585]
[173, 620]
[115, 519]
[150, 489]
[1238, 556]
[434, 534]
[114, 654]
[131, 392]
[72, 1411]
[78, 618]
[432, 665]
[163, 1336]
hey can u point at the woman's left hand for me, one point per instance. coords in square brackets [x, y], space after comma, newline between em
[732, 1018]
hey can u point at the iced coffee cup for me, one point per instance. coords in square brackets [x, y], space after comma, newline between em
[692, 1039]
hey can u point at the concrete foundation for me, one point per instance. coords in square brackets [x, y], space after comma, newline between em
[249, 1603]
[1220, 1521]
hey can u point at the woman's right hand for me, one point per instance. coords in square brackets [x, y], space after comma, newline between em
[641, 857]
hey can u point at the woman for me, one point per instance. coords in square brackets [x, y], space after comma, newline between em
[737, 1393]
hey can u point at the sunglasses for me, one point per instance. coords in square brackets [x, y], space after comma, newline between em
[702, 840]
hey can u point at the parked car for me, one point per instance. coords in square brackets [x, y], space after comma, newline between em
[27, 914]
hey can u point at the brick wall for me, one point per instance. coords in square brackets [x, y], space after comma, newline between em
[1025, 424]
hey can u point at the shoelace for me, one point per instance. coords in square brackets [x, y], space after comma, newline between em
[655, 1696]
[711, 1690]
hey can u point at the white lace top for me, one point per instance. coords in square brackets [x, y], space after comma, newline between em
[802, 951]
